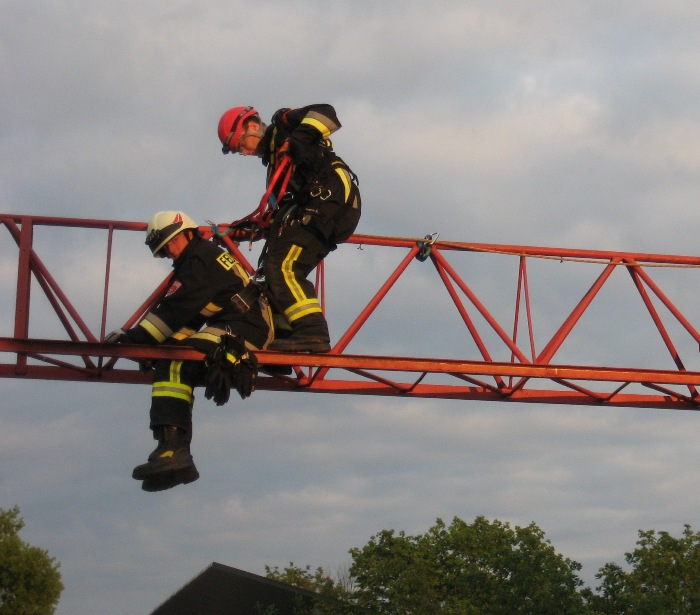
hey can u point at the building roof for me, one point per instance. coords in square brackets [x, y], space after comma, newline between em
[223, 590]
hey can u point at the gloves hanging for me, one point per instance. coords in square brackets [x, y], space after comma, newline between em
[230, 365]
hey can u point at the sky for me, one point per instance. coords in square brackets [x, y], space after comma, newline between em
[515, 122]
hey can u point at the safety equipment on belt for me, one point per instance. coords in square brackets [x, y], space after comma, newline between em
[232, 124]
[163, 226]
[245, 299]
[230, 365]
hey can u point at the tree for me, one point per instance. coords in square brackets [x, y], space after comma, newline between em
[318, 582]
[30, 583]
[664, 577]
[467, 569]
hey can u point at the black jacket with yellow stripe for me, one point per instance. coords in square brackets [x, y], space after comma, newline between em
[304, 134]
[206, 277]
[322, 184]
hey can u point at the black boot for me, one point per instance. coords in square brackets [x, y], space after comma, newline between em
[173, 479]
[171, 459]
[309, 334]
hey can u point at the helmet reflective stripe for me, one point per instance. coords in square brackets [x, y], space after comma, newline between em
[163, 226]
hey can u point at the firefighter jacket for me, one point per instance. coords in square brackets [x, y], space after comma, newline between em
[320, 180]
[206, 277]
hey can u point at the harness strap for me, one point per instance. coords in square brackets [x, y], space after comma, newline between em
[260, 217]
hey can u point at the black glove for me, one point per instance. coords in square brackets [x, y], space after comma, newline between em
[135, 335]
[115, 336]
[247, 375]
[230, 365]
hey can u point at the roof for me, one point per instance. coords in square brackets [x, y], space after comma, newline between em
[223, 590]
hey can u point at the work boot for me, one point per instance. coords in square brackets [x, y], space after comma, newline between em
[309, 334]
[171, 455]
[170, 480]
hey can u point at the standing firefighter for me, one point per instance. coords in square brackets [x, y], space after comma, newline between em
[196, 311]
[317, 207]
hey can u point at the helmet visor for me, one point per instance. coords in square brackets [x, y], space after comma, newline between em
[157, 238]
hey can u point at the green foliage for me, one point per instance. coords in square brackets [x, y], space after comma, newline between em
[30, 583]
[318, 582]
[489, 568]
[664, 577]
[466, 569]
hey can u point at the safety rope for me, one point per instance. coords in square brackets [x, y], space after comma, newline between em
[262, 214]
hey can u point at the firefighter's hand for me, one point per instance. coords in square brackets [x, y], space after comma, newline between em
[146, 365]
[115, 336]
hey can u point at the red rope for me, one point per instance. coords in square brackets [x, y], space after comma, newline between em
[261, 216]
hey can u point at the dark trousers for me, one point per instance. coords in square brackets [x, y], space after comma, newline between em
[296, 244]
[291, 257]
[172, 394]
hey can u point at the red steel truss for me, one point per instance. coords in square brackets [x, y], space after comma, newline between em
[524, 372]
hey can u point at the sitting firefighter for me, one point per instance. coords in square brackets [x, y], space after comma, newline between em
[197, 311]
[318, 208]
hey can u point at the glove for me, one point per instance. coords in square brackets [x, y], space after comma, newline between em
[135, 335]
[247, 375]
[230, 366]
[115, 336]
[146, 365]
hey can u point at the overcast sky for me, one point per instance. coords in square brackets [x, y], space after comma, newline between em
[573, 124]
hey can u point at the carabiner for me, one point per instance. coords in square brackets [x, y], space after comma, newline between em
[426, 246]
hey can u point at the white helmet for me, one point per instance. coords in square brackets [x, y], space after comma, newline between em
[163, 226]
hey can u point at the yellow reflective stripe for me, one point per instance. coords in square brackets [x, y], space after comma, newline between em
[302, 308]
[210, 309]
[163, 389]
[207, 337]
[174, 390]
[288, 273]
[173, 387]
[157, 327]
[183, 333]
[175, 367]
[154, 331]
[240, 271]
[345, 178]
[318, 125]
[271, 166]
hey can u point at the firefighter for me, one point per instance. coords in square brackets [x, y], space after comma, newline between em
[196, 311]
[320, 208]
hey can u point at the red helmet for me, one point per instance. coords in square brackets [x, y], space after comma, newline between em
[231, 126]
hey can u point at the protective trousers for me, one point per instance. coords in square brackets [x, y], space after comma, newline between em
[172, 394]
[293, 251]
[296, 244]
